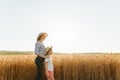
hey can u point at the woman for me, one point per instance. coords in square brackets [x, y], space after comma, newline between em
[40, 51]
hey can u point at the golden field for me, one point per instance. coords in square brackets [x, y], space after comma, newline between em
[66, 67]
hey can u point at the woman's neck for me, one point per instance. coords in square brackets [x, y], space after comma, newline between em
[40, 40]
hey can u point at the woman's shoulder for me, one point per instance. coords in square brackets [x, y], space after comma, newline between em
[38, 42]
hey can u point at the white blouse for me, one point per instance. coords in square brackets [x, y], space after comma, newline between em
[39, 48]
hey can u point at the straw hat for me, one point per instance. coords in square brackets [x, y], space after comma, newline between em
[48, 50]
[40, 34]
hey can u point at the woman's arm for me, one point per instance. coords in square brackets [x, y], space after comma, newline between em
[37, 46]
[43, 55]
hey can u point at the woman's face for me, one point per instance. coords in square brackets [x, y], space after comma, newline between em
[42, 38]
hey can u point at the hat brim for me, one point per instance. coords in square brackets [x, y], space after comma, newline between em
[44, 33]
[48, 50]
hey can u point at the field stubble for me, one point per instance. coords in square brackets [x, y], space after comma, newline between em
[66, 67]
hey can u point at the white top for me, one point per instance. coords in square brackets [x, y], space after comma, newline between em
[50, 63]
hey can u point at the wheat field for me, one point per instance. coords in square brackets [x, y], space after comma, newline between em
[66, 67]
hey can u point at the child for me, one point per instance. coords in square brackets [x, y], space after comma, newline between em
[49, 65]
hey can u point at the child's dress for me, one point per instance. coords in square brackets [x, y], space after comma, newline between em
[50, 67]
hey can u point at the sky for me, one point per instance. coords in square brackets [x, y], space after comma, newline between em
[73, 26]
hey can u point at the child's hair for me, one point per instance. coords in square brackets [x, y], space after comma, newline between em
[47, 53]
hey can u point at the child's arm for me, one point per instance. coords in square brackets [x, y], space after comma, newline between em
[46, 66]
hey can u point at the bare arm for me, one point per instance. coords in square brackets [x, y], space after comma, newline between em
[46, 68]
